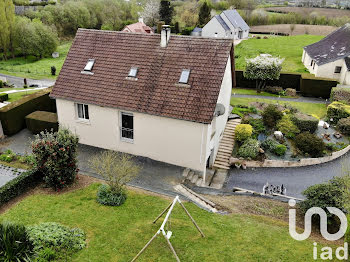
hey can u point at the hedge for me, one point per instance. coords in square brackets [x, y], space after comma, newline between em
[13, 115]
[337, 111]
[344, 126]
[19, 185]
[4, 97]
[341, 94]
[307, 84]
[41, 120]
[305, 123]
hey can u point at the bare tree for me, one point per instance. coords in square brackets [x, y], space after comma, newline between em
[292, 28]
[150, 12]
[116, 168]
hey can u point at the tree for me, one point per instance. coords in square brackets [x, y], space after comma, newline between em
[10, 16]
[6, 25]
[166, 11]
[24, 36]
[47, 40]
[262, 68]
[292, 28]
[150, 13]
[204, 14]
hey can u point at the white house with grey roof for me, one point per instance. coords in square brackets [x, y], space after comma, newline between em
[229, 24]
[330, 57]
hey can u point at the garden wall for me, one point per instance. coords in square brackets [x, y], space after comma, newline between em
[12, 116]
[306, 84]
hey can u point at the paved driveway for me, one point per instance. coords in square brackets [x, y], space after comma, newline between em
[19, 81]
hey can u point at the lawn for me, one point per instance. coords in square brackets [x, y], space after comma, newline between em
[118, 233]
[288, 47]
[315, 109]
[33, 68]
[16, 96]
[252, 92]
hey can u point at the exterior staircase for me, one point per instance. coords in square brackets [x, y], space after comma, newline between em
[222, 160]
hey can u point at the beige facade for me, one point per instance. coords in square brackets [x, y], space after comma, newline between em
[174, 141]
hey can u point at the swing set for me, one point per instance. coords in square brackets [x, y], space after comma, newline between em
[167, 233]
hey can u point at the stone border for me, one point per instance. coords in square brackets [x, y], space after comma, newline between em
[299, 163]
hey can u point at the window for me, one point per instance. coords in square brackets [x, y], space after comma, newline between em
[185, 74]
[127, 127]
[337, 69]
[83, 111]
[133, 72]
[89, 65]
[312, 62]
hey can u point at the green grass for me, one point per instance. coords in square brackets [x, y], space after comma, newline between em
[33, 68]
[288, 47]
[316, 109]
[16, 96]
[11, 88]
[119, 233]
[252, 92]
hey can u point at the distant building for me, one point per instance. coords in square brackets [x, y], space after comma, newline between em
[228, 24]
[139, 27]
[197, 31]
[330, 57]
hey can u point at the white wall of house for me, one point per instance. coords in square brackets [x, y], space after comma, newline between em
[214, 29]
[164, 139]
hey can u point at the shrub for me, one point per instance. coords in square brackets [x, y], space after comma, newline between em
[337, 111]
[56, 157]
[106, 197]
[56, 237]
[287, 127]
[250, 149]
[310, 144]
[271, 115]
[1, 84]
[305, 123]
[53, 70]
[274, 89]
[274, 147]
[4, 97]
[340, 94]
[243, 132]
[8, 156]
[28, 159]
[40, 121]
[257, 124]
[344, 125]
[15, 244]
[280, 150]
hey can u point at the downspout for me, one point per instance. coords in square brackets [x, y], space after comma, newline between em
[233, 67]
[201, 155]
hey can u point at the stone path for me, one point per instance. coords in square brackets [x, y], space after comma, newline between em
[222, 160]
[8, 173]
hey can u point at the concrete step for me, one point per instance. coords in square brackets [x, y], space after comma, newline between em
[190, 175]
[194, 178]
[221, 166]
[219, 179]
[199, 182]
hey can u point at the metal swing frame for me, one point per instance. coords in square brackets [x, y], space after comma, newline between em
[167, 234]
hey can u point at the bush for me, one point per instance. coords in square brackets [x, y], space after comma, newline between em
[8, 156]
[344, 125]
[271, 115]
[19, 185]
[340, 94]
[4, 97]
[250, 149]
[56, 157]
[257, 124]
[337, 111]
[287, 127]
[310, 144]
[274, 89]
[53, 70]
[1, 84]
[106, 197]
[305, 123]
[40, 121]
[243, 132]
[56, 237]
[280, 150]
[15, 244]
[274, 147]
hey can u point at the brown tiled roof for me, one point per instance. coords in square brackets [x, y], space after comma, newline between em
[156, 90]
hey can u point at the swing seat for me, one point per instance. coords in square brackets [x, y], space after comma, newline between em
[169, 234]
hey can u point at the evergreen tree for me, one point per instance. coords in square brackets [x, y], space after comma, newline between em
[10, 16]
[204, 14]
[4, 29]
[166, 11]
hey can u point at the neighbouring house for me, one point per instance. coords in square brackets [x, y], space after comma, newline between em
[197, 31]
[152, 95]
[228, 24]
[330, 57]
[139, 27]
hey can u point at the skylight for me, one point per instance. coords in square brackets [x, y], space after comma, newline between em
[185, 74]
[133, 72]
[89, 65]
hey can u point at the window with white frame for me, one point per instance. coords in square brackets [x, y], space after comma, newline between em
[82, 112]
[337, 69]
[127, 126]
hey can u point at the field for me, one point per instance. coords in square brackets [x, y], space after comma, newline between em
[33, 68]
[298, 30]
[288, 47]
[118, 233]
[306, 11]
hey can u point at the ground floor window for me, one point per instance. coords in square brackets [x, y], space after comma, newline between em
[127, 126]
[83, 111]
[337, 69]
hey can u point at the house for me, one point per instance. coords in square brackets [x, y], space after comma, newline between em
[152, 95]
[139, 27]
[330, 57]
[197, 31]
[228, 24]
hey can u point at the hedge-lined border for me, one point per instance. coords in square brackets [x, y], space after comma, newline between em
[19, 185]
[300, 163]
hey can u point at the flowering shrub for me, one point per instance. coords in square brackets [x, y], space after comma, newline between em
[243, 132]
[250, 149]
[55, 156]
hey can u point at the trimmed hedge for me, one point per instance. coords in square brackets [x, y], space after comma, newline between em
[19, 185]
[337, 111]
[41, 120]
[305, 123]
[344, 126]
[13, 115]
[340, 94]
[4, 97]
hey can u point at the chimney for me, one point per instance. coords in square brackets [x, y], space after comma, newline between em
[164, 35]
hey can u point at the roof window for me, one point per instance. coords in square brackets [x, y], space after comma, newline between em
[185, 74]
[89, 65]
[133, 72]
